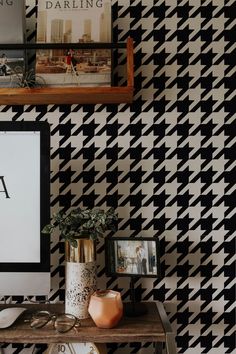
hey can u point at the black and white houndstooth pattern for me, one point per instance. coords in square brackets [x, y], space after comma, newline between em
[165, 162]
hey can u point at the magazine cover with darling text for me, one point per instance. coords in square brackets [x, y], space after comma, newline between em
[12, 30]
[74, 21]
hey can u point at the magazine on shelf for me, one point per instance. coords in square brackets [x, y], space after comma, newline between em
[12, 30]
[74, 21]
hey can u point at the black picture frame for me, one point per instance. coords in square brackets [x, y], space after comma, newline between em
[122, 257]
[43, 128]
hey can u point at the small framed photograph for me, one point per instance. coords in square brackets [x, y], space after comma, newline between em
[132, 256]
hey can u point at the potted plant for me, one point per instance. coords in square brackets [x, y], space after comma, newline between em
[80, 228]
[80, 223]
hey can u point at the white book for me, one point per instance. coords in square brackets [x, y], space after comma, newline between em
[74, 21]
[12, 30]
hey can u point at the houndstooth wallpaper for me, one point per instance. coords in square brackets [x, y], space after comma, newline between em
[165, 162]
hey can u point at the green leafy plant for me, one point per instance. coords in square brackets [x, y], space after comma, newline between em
[82, 222]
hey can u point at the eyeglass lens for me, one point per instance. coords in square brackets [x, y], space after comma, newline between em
[40, 319]
[63, 323]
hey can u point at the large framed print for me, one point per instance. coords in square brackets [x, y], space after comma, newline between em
[24, 196]
[135, 257]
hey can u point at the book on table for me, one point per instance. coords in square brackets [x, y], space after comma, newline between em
[77, 21]
[12, 30]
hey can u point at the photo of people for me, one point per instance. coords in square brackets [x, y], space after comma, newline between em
[135, 257]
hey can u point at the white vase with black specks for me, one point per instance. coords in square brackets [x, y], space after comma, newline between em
[81, 280]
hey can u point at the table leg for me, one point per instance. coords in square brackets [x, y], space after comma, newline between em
[170, 343]
[169, 334]
[158, 348]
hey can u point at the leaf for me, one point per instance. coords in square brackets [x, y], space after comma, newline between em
[90, 222]
[48, 229]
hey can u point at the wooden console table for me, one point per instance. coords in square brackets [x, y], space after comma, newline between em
[151, 327]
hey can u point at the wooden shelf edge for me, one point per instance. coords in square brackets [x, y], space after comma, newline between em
[74, 95]
[70, 95]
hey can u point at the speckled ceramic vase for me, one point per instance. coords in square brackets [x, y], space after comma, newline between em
[81, 280]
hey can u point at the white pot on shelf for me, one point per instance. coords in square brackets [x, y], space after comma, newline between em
[80, 275]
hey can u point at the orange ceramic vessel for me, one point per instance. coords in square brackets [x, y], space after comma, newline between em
[106, 308]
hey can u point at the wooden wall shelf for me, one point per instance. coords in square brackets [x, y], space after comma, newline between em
[74, 95]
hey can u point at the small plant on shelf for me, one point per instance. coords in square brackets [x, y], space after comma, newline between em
[28, 78]
[91, 223]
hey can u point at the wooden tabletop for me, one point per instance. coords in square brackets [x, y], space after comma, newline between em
[151, 327]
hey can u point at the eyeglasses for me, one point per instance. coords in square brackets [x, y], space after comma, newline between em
[62, 323]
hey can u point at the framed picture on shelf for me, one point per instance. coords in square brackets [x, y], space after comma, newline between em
[82, 22]
[136, 257]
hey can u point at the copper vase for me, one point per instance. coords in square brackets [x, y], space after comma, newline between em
[106, 308]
